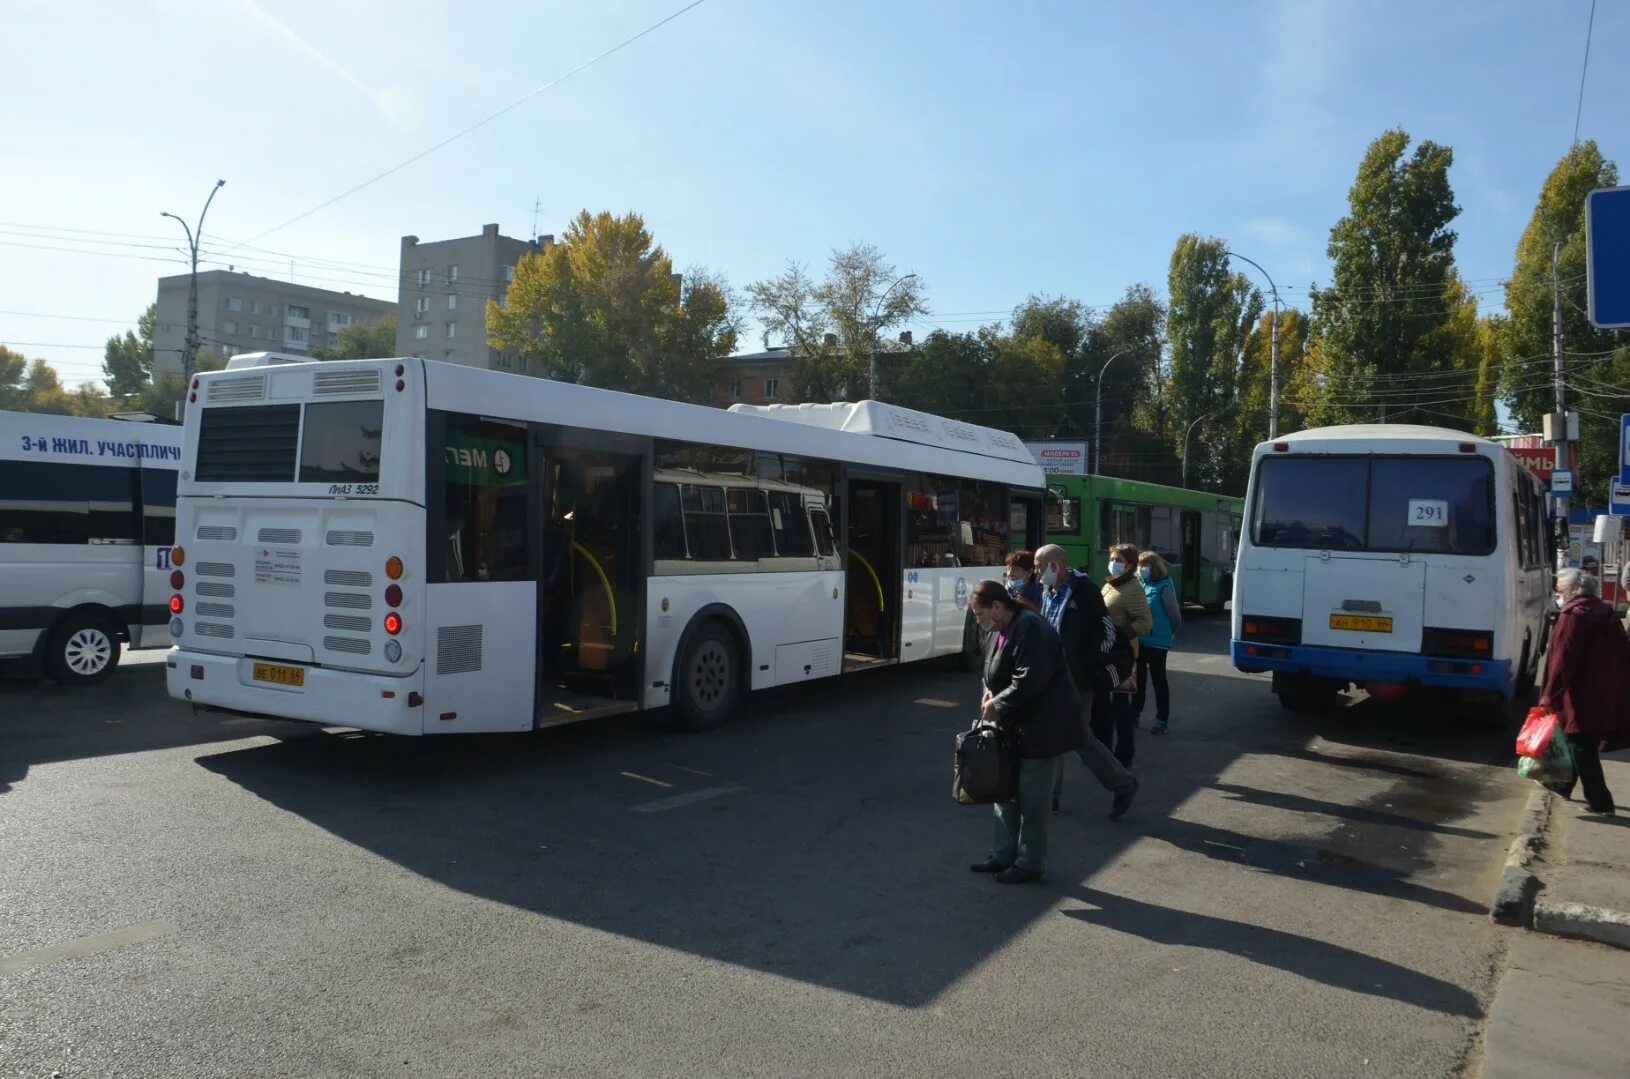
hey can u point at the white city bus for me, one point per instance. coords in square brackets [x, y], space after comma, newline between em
[1391, 556]
[418, 547]
[87, 512]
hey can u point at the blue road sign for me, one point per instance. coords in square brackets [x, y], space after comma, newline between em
[1624, 448]
[1618, 499]
[1607, 257]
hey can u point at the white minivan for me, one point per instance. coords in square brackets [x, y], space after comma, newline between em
[87, 519]
[1391, 557]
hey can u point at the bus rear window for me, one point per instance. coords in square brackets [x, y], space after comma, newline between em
[1313, 502]
[340, 443]
[1426, 504]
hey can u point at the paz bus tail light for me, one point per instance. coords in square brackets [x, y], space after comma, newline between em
[177, 604]
[393, 623]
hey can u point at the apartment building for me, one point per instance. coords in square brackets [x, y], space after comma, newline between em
[445, 286]
[241, 312]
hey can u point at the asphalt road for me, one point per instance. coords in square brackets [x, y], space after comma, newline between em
[189, 895]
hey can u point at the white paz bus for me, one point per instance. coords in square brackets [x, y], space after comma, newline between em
[87, 512]
[416, 547]
[1391, 556]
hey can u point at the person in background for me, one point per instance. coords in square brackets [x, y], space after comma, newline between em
[1587, 682]
[1021, 578]
[1112, 721]
[1154, 646]
[1074, 607]
[1028, 692]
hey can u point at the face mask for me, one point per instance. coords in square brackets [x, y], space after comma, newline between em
[1559, 600]
[1143, 572]
[1116, 568]
[987, 623]
[1015, 587]
[1049, 577]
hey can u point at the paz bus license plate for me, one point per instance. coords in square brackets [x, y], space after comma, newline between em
[1363, 622]
[279, 675]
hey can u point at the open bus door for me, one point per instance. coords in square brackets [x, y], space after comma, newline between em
[874, 538]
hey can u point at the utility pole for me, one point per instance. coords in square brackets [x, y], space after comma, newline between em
[1559, 425]
[1186, 434]
[1273, 349]
[189, 354]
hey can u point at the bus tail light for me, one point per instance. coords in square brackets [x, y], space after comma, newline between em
[393, 568]
[1281, 447]
[177, 579]
[1457, 643]
[1468, 447]
[393, 623]
[178, 557]
[393, 595]
[1272, 630]
[177, 604]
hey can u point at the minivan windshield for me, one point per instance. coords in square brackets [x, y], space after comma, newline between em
[1429, 504]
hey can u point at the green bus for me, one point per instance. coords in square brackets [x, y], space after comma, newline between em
[1196, 532]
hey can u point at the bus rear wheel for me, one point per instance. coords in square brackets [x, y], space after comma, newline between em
[83, 650]
[707, 679]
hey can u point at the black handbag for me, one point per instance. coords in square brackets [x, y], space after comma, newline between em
[986, 770]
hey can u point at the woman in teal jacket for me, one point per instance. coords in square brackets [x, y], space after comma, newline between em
[1153, 646]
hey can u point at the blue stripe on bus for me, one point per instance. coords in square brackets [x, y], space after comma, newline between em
[1357, 665]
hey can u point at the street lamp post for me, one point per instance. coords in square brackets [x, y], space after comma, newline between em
[1273, 358]
[189, 354]
[871, 380]
[1098, 414]
[1186, 434]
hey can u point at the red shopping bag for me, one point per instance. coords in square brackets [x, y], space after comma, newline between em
[1536, 733]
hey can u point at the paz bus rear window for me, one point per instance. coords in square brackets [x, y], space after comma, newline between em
[1425, 504]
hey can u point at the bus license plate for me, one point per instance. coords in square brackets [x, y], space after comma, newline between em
[279, 675]
[1363, 622]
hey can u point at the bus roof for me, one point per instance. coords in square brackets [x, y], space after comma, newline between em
[1141, 491]
[947, 448]
[1381, 432]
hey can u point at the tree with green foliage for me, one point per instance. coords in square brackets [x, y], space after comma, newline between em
[1393, 258]
[604, 307]
[834, 326]
[13, 370]
[374, 340]
[1211, 311]
[1597, 361]
[1250, 419]
[127, 361]
[948, 374]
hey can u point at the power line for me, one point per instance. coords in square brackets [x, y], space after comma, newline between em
[517, 103]
[1579, 110]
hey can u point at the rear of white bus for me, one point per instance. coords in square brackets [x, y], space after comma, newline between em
[1383, 560]
[298, 571]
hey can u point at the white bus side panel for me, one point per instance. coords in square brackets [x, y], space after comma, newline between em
[481, 658]
[776, 610]
[1347, 584]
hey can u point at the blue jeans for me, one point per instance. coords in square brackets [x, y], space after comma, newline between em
[1021, 827]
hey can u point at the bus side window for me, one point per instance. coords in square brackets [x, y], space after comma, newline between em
[823, 532]
[667, 527]
[793, 538]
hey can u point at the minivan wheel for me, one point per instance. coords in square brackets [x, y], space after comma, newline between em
[84, 649]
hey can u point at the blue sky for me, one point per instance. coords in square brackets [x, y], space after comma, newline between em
[996, 149]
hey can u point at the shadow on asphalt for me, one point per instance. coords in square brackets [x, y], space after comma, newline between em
[41, 722]
[1315, 960]
[823, 846]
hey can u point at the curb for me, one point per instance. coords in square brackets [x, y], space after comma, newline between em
[1586, 923]
[1515, 896]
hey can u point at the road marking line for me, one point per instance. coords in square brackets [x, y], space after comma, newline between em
[647, 779]
[933, 702]
[692, 771]
[83, 946]
[679, 801]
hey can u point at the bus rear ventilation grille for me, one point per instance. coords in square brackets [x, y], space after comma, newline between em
[217, 569]
[336, 537]
[217, 532]
[349, 578]
[458, 649]
[354, 645]
[279, 535]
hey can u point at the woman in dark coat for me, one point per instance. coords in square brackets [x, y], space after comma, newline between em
[1587, 681]
[1028, 691]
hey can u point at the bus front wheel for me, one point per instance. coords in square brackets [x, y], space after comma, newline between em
[83, 649]
[707, 679]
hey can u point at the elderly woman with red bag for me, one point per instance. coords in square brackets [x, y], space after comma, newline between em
[1587, 682]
